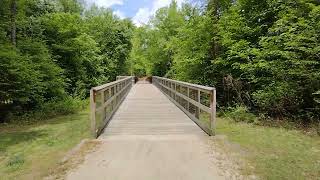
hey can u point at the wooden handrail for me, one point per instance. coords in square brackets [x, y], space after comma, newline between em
[105, 100]
[201, 107]
[122, 77]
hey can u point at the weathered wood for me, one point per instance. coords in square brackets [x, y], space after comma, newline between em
[103, 110]
[195, 86]
[213, 110]
[112, 98]
[93, 113]
[191, 116]
[98, 88]
[121, 77]
[163, 85]
[186, 96]
[147, 111]
[116, 92]
[201, 106]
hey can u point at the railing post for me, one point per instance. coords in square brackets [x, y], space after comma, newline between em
[175, 91]
[103, 113]
[199, 100]
[93, 113]
[213, 111]
[188, 95]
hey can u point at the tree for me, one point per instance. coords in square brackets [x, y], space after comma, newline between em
[52, 50]
[262, 54]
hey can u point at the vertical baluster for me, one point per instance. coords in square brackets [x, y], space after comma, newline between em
[213, 111]
[103, 111]
[175, 91]
[199, 100]
[188, 95]
[93, 113]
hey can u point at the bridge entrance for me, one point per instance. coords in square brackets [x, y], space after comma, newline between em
[147, 111]
[151, 132]
[164, 106]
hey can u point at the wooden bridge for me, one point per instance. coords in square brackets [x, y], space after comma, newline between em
[155, 130]
[164, 107]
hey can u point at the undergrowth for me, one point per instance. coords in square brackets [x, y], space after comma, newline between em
[241, 113]
[68, 105]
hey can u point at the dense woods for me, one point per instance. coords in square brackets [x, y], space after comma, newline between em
[55, 51]
[261, 55]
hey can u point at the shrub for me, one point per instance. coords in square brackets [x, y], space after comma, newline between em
[16, 161]
[240, 113]
[68, 105]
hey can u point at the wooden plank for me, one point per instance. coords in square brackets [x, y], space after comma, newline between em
[93, 113]
[117, 90]
[111, 99]
[109, 116]
[188, 95]
[161, 83]
[98, 88]
[195, 86]
[213, 111]
[203, 107]
[191, 116]
[103, 110]
[147, 111]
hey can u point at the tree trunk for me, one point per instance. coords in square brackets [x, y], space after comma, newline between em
[213, 8]
[13, 12]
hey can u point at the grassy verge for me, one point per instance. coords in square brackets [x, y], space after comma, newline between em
[275, 153]
[31, 151]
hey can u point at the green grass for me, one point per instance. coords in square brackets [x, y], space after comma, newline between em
[32, 151]
[275, 153]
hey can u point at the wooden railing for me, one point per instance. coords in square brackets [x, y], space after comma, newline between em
[198, 102]
[105, 100]
[121, 77]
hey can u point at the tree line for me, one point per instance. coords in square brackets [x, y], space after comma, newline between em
[260, 54]
[53, 50]
[264, 55]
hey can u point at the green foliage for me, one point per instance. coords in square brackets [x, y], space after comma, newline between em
[61, 50]
[191, 46]
[75, 51]
[114, 39]
[272, 153]
[31, 151]
[16, 161]
[66, 106]
[152, 47]
[29, 76]
[240, 114]
[50, 109]
[261, 54]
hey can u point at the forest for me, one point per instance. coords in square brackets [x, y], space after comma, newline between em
[53, 52]
[263, 57]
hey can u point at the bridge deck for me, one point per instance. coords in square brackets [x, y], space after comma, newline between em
[149, 138]
[147, 111]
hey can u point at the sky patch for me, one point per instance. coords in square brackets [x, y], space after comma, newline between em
[139, 11]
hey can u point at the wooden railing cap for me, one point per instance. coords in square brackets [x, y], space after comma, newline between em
[188, 84]
[98, 88]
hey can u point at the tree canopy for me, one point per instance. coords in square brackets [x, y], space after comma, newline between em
[54, 49]
[261, 54]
